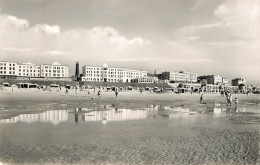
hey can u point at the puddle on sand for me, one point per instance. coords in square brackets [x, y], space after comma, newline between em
[110, 113]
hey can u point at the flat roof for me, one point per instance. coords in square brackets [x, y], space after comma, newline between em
[112, 68]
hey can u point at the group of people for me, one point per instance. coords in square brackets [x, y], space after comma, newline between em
[98, 93]
[229, 99]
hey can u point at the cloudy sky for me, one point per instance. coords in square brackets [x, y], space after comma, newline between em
[208, 37]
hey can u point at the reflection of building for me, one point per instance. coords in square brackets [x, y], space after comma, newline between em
[29, 70]
[104, 73]
[115, 115]
[181, 76]
[48, 116]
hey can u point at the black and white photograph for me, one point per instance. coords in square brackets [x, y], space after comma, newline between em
[129, 82]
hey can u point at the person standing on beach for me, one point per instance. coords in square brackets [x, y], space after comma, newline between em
[141, 91]
[236, 101]
[67, 92]
[202, 99]
[229, 99]
[99, 94]
[50, 90]
[116, 93]
[77, 91]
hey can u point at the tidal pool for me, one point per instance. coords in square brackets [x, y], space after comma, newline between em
[152, 134]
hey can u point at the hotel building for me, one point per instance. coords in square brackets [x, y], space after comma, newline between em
[8, 69]
[181, 76]
[212, 79]
[106, 74]
[238, 81]
[29, 70]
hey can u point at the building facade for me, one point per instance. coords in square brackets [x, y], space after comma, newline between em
[181, 76]
[55, 70]
[30, 70]
[8, 69]
[212, 79]
[224, 81]
[106, 74]
[238, 81]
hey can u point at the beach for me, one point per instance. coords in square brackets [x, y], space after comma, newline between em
[43, 127]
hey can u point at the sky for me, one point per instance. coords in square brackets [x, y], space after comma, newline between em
[220, 37]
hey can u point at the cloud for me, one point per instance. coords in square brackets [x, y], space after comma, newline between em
[14, 49]
[50, 39]
[7, 21]
[134, 59]
[55, 52]
[47, 29]
[190, 60]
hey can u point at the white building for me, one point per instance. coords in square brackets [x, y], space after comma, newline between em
[238, 81]
[8, 69]
[224, 80]
[104, 73]
[30, 70]
[54, 70]
[181, 76]
[214, 79]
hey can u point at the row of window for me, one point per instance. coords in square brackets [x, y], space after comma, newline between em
[27, 66]
[4, 72]
[99, 79]
[119, 76]
[4, 64]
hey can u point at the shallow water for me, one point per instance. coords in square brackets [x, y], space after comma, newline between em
[149, 134]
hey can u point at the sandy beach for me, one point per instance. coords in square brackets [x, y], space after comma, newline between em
[134, 128]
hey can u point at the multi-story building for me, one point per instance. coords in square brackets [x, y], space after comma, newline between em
[181, 76]
[202, 79]
[151, 78]
[106, 74]
[30, 70]
[8, 69]
[224, 81]
[238, 81]
[214, 79]
[54, 70]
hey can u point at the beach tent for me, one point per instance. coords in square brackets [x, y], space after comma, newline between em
[54, 85]
[147, 88]
[33, 85]
[156, 89]
[6, 85]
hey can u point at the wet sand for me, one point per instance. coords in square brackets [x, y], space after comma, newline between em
[170, 129]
